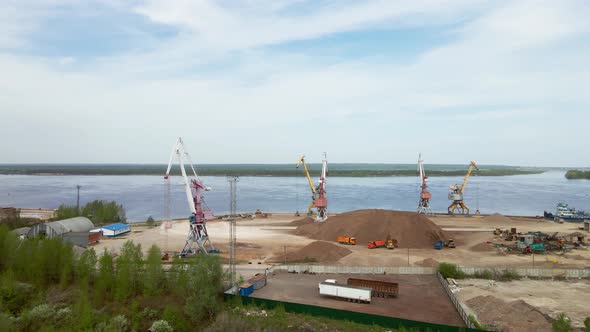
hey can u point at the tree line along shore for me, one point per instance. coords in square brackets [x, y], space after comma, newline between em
[338, 170]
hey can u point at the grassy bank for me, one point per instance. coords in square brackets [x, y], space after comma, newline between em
[577, 174]
[278, 170]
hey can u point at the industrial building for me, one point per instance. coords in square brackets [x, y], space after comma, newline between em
[113, 230]
[58, 228]
[82, 239]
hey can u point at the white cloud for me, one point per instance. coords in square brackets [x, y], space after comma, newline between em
[502, 59]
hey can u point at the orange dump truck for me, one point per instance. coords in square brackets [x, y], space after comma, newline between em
[376, 244]
[379, 288]
[347, 240]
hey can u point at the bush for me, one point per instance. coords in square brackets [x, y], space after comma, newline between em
[587, 325]
[6, 322]
[509, 275]
[485, 274]
[161, 326]
[449, 270]
[176, 318]
[562, 324]
[37, 317]
[150, 221]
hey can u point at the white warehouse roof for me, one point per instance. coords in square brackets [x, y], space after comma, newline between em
[57, 228]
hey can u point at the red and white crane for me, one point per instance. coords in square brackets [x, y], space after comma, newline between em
[318, 193]
[197, 239]
[425, 195]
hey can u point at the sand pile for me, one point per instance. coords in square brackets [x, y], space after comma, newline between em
[302, 221]
[483, 247]
[412, 230]
[428, 262]
[512, 316]
[497, 218]
[318, 251]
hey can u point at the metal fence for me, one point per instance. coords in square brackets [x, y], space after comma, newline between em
[345, 315]
[337, 269]
[462, 312]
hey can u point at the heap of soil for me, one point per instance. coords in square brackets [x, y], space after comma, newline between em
[498, 218]
[411, 230]
[303, 221]
[428, 262]
[483, 247]
[512, 316]
[318, 251]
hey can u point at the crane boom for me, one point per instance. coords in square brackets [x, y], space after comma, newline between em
[309, 180]
[425, 195]
[198, 238]
[472, 165]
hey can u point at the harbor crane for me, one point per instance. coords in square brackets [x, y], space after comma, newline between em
[318, 193]
[425, 195]
[197, 239]
[456, 194]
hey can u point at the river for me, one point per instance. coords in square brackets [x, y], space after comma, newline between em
[143, 196]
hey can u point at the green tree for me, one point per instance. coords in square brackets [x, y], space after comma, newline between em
[204, 286]
[103, 212]
[106, 280]
[86, 266]
[587, 324]
[150, 221]
[562, 324]
[128, 272]
[66, 212]
[154, 275]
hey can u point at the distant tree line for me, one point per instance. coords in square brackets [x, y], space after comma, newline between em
[45, 285]
[577, 174]
[100, 212]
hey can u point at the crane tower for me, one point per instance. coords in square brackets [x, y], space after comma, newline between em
[318, 193]
[197, 239]
[456, 194]
[425, 195]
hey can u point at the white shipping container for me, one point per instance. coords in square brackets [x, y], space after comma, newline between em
[331, 288]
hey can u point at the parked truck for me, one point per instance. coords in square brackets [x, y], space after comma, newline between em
[330, 287]
[376, 244]
[391, 244]
[379, 288]
[347, 240]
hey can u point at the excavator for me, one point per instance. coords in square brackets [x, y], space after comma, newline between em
[456, 194]
[318, 193]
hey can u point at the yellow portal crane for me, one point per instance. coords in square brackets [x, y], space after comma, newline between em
[318, 194]
[456, 194]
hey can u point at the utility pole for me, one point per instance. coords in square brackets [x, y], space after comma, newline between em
[232, 180]
[78, 199]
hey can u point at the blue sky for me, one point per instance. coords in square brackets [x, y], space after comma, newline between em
[499, 82]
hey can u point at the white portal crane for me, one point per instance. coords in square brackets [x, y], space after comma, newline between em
[197, 239]
[425, 195]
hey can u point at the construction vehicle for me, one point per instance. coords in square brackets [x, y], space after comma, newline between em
[358, 294]
[347, 240]
[376, 244]
[425, 195]
[318, 193]
[197, 239]
[450, 244]
[456, 194]
[378, 288]
[439, 245]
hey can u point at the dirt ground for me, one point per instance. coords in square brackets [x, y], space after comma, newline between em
[549, 297]
[260, 240]
[415, 292]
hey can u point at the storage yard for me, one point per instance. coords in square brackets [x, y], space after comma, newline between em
[420, 297]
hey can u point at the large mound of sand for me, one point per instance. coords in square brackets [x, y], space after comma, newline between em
[412, 230]
[512, 316]
[302, 221]
[318, 251]
[498, 218]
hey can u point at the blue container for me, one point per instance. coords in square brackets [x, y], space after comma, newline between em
[246, 289]
[438, 245]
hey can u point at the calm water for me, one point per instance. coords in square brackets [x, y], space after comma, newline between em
[143, 196]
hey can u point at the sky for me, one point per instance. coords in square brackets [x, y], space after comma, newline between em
[265, 81]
